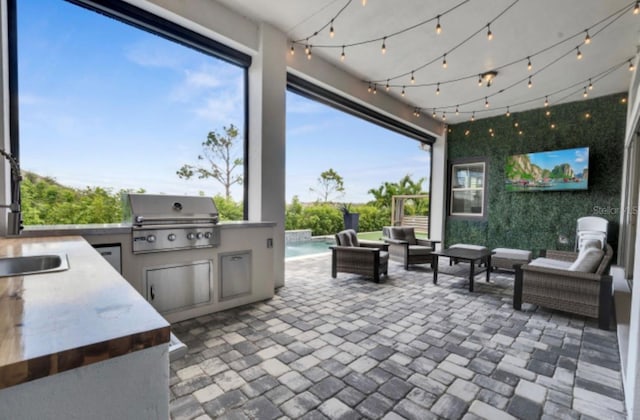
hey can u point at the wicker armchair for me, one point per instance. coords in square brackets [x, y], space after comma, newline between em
[350, 255]
[405, 248]
[578, 292]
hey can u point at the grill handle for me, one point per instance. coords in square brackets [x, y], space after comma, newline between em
[171, 220]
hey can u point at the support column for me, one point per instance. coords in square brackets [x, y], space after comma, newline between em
[266, 155]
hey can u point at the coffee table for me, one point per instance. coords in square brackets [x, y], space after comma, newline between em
[467, 255]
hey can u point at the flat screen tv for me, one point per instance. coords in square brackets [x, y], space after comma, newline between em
[556, 170]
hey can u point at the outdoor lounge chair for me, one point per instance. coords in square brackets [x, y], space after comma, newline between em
[404, 247]
[350, 255]
[568, 281]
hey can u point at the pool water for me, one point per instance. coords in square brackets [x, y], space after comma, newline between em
[301, 248]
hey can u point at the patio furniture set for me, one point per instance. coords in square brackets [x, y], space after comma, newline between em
[576, 282]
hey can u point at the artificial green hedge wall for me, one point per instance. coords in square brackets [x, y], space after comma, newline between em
[539, 220]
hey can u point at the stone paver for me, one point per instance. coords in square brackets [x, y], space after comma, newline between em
[348, 348]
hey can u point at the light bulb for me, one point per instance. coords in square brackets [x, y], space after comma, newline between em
[508, 114]
[438, 27]
[546, 101]
[375, 88]
[402, 93]
[413, 79]
[473, 116]
[486, 102]
[587, 38]
[489, 33]
[438, 89]
[585, 93]
[306, 49]
[530, 84]
[342, 56]
[479, 80]
[590, 85]
[548, 113]
[529, 65]
[384, 46]
[553, 125]
[636, 8]
[434, 113]
[331, 31]
[457, 110]
[516, 124]
[587, 115]
[578, 53]
[387, 86]
[364, 3]
[309, 54]
[292, 51]
[631, 66]
[369, 88]
[444, 117]
[444, 61]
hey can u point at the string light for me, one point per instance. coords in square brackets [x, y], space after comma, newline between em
[384, 46]
[331, 31]
[457, 110]
[467, 132]
[309, 54]
[292, 51]
[548, 113]
[636, 8]
[438, 89]
[486, 102]
[342, 56]
[438, 26]
[364, 3]
[530, 84]
[387, 86]
[369, 88]
[529, 65]
[489, 33]
[585, 93]
[546, 101]
[444, 61]
[508, 114]
[590, 85]
[413, 79]
[306, 48]
[587, 115]
[444, 116]
[553, 125]
[587, 38]
[375, 88]
[578, 53]
[479, 80]
[402, 90]
[473, 116]
[434, 113]
[631, 66]
[516, 124]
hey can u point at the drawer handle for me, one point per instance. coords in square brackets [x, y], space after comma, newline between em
[106, 253]
[236, 258]
[153, 295]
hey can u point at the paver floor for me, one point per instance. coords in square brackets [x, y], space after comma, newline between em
[348, 348]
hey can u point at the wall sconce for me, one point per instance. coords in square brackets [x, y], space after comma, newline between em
[488, 77]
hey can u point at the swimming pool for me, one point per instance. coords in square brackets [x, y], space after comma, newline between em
[302, 248]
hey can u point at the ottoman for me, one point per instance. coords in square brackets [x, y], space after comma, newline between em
[507, 257]
[466, 246]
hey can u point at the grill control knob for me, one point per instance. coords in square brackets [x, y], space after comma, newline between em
[171, 237]
[199, 235]
[207, 235]
[191, 236]
[151, 238]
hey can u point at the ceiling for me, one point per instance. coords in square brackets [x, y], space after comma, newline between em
[520, 28]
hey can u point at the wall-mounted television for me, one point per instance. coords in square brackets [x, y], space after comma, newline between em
[555, 170]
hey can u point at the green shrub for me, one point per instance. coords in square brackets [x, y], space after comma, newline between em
[372, 218]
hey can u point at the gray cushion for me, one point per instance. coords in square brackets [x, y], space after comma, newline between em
[420, 250]
[551, 263]
[512, 254]
[347, 238]
[588, 260]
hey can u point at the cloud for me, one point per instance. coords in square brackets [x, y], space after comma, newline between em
[154, 53]
[31, 99]
[581, 156]
[221, 109]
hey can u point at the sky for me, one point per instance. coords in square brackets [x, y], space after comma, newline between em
[105, 104]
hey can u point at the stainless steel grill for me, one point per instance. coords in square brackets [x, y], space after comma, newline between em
[170, 222]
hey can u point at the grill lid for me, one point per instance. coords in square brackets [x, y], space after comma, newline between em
[151, 209]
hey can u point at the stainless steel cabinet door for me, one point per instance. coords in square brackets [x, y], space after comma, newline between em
[176, 286]
[235, 274]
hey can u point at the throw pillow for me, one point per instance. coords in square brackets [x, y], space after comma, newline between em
[588, 260]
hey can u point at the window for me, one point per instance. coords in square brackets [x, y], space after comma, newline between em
[467, 189]
[113, 99]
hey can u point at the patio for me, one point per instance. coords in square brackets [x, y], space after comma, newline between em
[404, 348]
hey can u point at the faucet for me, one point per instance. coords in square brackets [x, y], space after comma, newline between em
[14, 218]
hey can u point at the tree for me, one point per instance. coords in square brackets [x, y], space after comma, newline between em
[329, 183]
[406, 186]
[220, 160]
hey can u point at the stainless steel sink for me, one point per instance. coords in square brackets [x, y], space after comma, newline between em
[33, 264]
